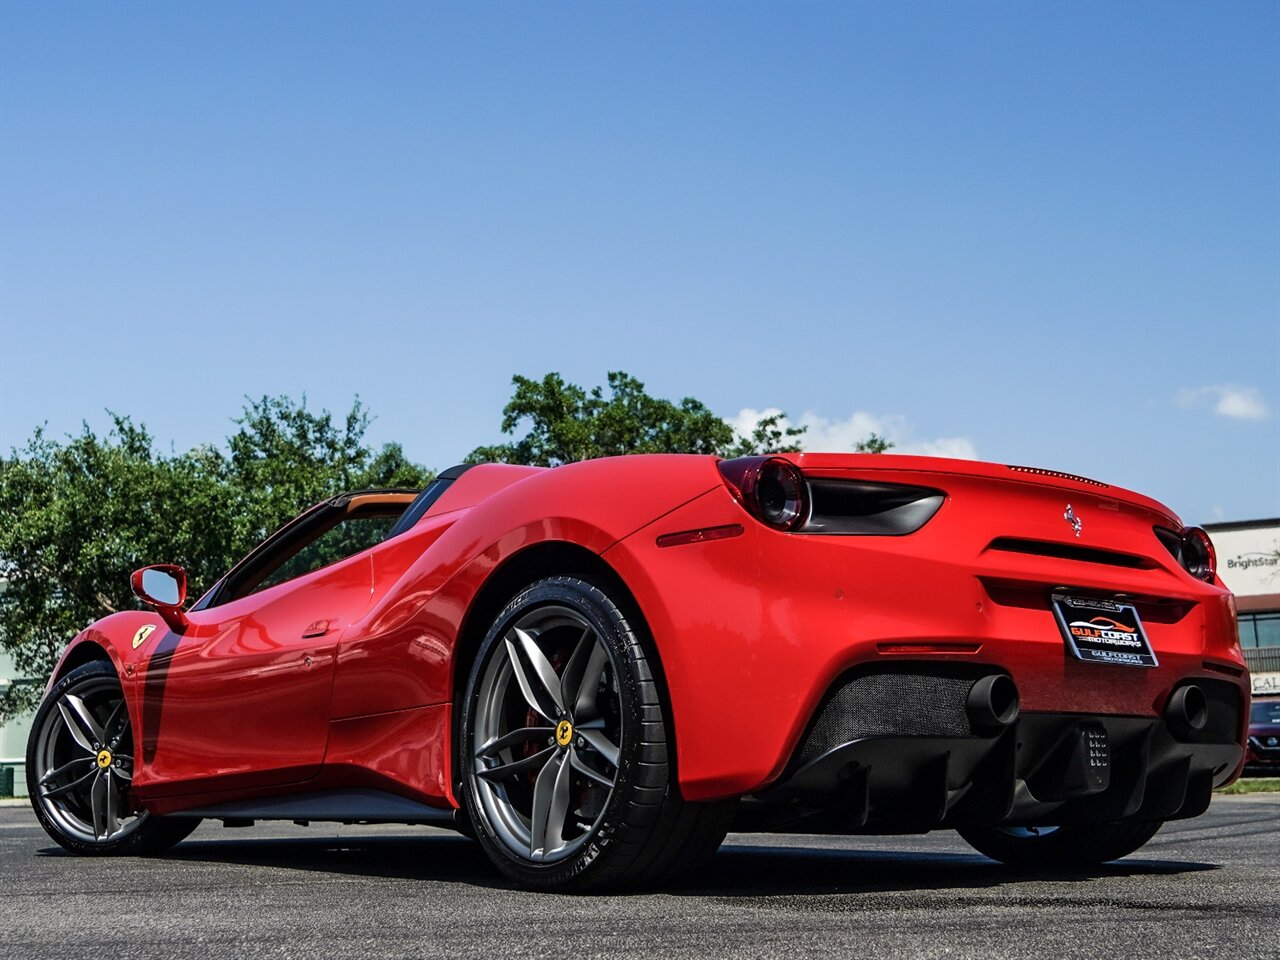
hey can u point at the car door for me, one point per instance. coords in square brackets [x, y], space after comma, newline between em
[241, 698]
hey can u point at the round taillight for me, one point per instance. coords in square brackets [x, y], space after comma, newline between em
[1198, 556]
[772, 489]
[780, 494]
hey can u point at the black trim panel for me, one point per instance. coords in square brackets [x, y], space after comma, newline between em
[368, 806]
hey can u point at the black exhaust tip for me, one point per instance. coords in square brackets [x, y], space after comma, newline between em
[992, 704]
[1187, 712]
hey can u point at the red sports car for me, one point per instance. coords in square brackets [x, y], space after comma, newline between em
[597, 669]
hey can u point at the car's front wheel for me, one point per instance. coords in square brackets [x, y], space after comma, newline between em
[1074, 846]
[80, 759]
[565, 751]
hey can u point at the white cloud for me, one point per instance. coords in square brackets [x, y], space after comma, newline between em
[957, 448]
[1228, 400]
[747, 419]
[841, 436]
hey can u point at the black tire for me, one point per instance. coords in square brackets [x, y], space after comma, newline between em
[1072, 847]
[53, 746]
[642, 831]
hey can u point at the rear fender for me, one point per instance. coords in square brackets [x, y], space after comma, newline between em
[402, 654]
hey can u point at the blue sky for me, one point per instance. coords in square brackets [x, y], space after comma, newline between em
[1032, 233]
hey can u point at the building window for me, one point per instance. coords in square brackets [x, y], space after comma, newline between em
[1260, 629]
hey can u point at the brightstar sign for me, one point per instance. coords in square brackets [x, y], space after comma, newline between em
[1247, 559]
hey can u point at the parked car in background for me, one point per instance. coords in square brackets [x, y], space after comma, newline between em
[1262, 757]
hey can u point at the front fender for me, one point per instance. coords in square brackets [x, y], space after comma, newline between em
[111, 638]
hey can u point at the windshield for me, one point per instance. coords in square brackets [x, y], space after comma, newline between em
[1265, 711]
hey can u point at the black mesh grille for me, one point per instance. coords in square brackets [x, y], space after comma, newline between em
[902, 704]
[1068, 551]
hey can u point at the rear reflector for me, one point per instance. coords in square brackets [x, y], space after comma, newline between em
[926, 647]
[700, 536]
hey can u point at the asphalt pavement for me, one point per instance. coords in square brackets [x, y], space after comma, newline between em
[1202, 888]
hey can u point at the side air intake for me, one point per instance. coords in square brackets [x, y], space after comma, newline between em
[1069, 551]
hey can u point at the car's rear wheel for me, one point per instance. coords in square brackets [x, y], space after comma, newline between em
[1073, 846]
[80, 759]
[565, 749]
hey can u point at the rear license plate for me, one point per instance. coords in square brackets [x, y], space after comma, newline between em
[1103, 631]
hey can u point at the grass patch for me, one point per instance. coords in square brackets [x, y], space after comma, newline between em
[1254, 785]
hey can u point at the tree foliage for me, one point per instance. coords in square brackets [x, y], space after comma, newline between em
[284, 458]
[567, 423]
[873, 444]
[771, 434]
[76, 517]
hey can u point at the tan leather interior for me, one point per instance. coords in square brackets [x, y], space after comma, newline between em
[366, 500]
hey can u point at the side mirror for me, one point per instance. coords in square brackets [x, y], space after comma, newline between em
[163, 586]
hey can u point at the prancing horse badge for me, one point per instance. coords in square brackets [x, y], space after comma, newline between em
[140, 637]
[1076, 523]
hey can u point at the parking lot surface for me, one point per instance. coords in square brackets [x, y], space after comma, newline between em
[1202, 888]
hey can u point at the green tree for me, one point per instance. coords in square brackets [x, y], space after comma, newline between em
[284, 457]
[77, 517]
[771, 434]
[873, 444]
[568, 423]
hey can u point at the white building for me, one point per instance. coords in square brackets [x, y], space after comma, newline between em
[13, 739]
[1249, 564]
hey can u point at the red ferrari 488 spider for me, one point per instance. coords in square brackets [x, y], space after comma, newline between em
[596, 670]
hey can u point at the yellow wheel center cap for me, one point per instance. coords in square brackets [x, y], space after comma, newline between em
[564, 733]
[104, 759]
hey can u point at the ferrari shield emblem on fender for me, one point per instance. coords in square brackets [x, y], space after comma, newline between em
[140, 637]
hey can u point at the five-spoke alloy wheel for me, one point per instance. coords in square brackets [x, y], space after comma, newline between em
[564, 752]
[548, 722]
[80, 767]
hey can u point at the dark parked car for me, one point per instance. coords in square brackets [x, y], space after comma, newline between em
[1263, 756]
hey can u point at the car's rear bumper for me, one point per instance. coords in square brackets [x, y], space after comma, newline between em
[754, 629]
[901, 750]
